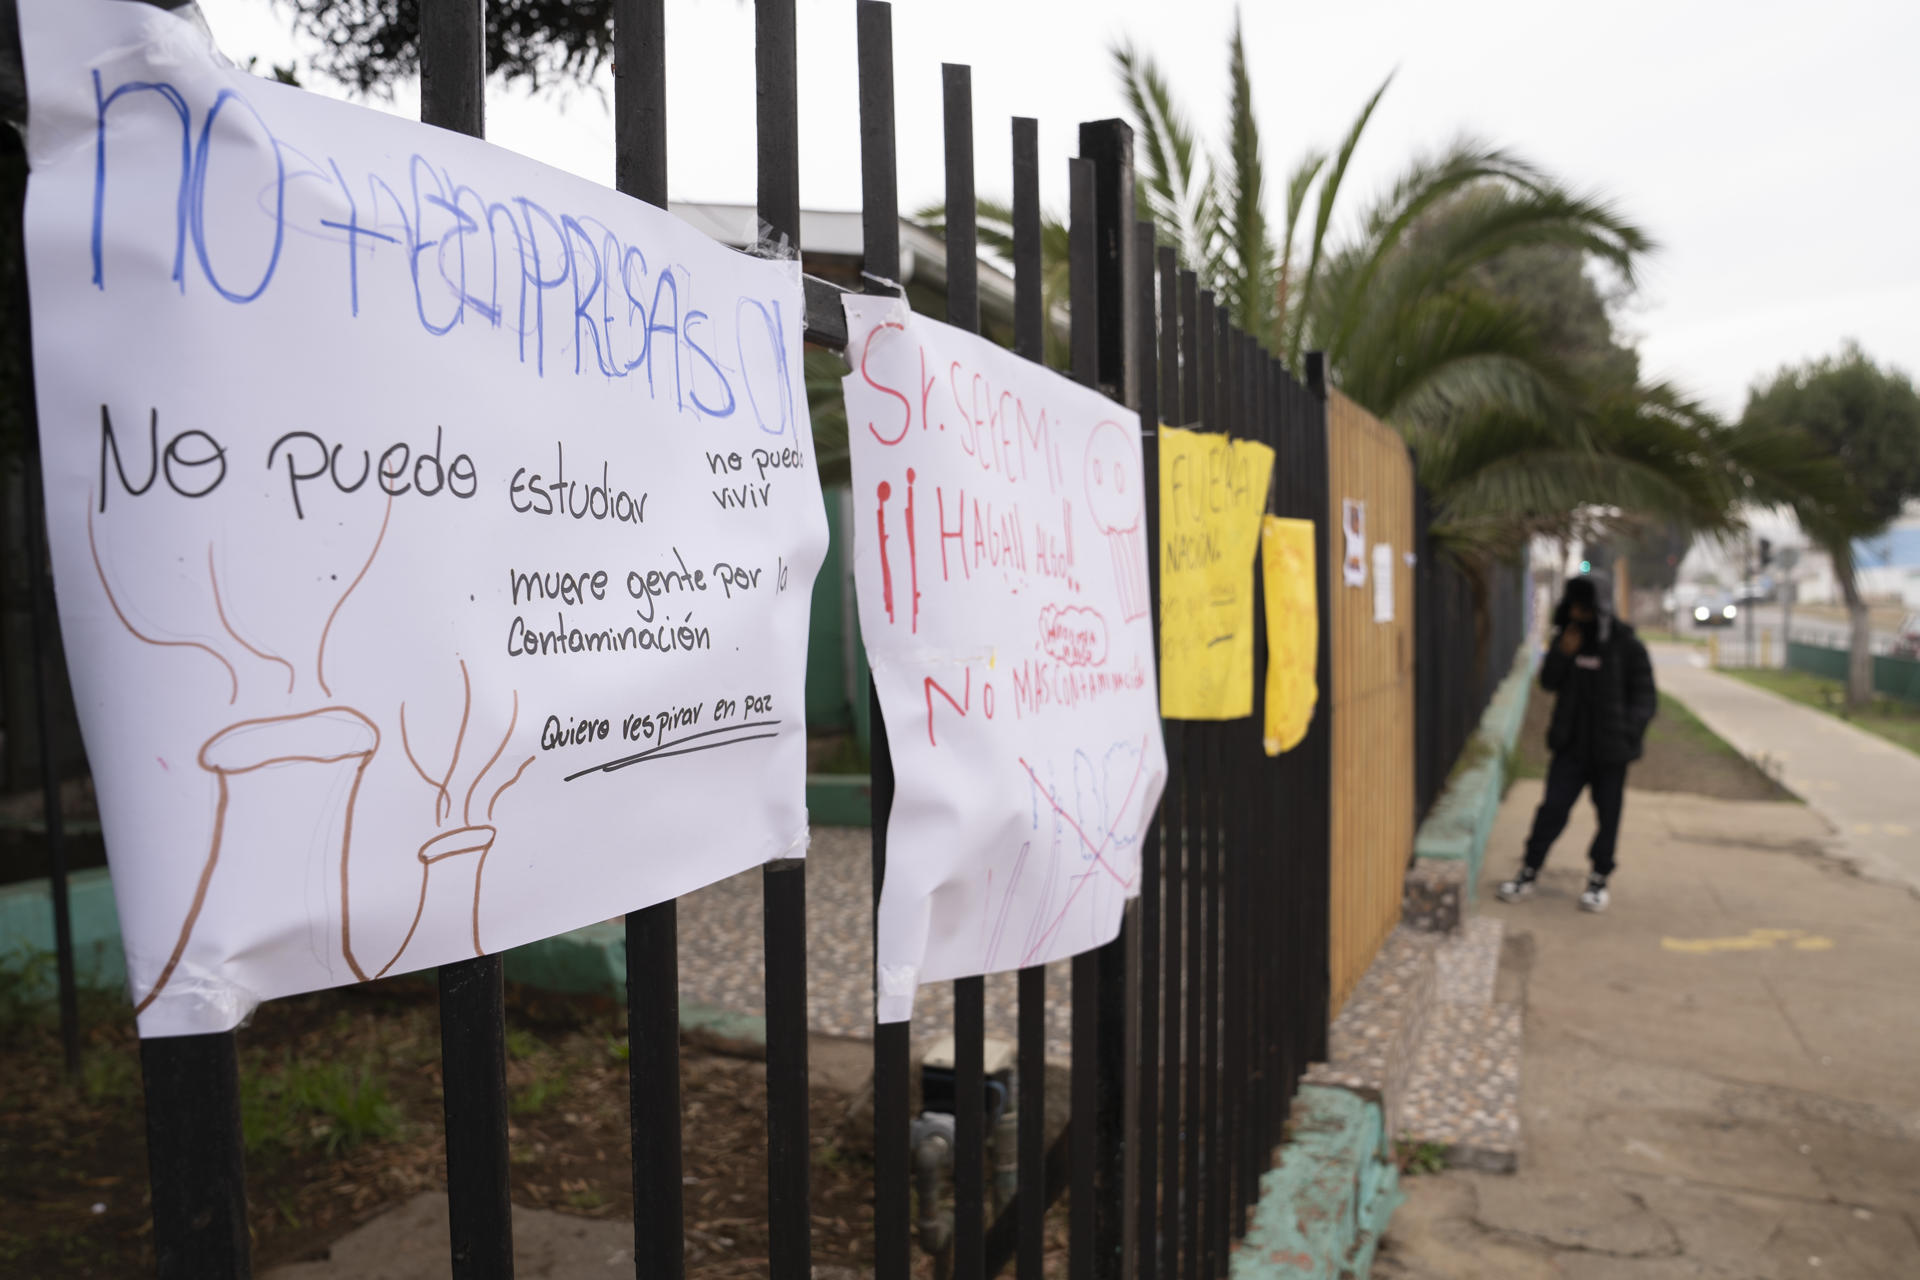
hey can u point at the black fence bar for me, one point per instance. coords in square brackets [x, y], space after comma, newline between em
[1190, 1189]
[1082, 269]
[473, 1073]
[1237, 1023]
[1029, 340]
[40, 592]
[1238, 785]
[194, 1157]
[473, 1048]
[1263, 901]
[892, 1045]
[784, 882]
[653, 933]
[1109, 144]
[1145, 1148]
[1319, 741]
[969, 994]
[1173, 850]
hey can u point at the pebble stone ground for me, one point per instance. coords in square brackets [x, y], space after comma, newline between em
[722, 957]
[1464, 1090]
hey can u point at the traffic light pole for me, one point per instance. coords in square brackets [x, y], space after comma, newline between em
[1749, 591]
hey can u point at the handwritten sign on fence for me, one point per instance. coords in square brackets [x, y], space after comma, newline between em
[1293, 630]
[1213, 491]
[433, 531]
[1001, 569]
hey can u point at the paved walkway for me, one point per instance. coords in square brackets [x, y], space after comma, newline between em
[1718, 1074]
[1865, 786]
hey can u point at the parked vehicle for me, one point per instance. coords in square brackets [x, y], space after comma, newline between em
[1715, 611]
[1906, 641]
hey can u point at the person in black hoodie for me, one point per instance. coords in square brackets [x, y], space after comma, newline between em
[1602, 680]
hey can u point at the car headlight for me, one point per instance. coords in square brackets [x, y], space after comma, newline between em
[1700, 614]
[1730, 611]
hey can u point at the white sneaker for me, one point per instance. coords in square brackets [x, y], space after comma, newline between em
[1519, 888]
[1595, 897]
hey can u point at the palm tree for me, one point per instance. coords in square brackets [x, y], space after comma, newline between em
[1509, 439]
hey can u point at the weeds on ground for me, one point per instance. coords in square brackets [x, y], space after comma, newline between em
[324, 1105]
[1416, 1158]
[1516, 764]
[26, 981]
[1676, 723]
[540, 1092]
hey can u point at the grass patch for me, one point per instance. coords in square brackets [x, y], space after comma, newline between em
[1520, 763]
[1889, 718]
[1416, 1158]
[540, 1092]
[1680, 727]
[324, 1105]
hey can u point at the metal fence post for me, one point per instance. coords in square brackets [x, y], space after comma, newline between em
[1108, 144]
[653, 933]
[473, 1052]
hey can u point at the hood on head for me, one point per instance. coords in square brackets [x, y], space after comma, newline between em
[1593, 591]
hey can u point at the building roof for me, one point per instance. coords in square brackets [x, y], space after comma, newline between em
[832, 238]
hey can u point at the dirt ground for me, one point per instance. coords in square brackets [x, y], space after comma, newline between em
[1681, 755]
[342, 1115]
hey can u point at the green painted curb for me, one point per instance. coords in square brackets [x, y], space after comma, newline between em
[26, 931]
[1325, 1205]
[1461, 820]
[589, 961]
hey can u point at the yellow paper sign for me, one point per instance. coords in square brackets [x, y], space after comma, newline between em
[1293, 626]
[1213, 491]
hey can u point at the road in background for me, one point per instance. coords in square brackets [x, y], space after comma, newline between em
[1767, 618]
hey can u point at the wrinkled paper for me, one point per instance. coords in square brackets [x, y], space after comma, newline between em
[433, 531]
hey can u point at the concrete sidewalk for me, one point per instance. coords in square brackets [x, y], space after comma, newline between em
[1868, 788]
[1718, 1076]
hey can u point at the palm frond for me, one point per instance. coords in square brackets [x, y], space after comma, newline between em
[1177, 189]
[1250, 270]
[1329, 192]
[1299, 184]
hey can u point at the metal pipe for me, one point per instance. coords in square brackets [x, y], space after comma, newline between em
[1006, 1146]
[932, 1155]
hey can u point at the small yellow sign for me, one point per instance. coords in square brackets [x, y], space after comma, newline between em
[1213, 491]
[1293, 630]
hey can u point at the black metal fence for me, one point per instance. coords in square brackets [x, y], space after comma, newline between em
[1189, 1031]
[1471, 624]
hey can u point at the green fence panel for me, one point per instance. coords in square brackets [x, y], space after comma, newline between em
[1831, 663]
[1895, 677]
[828, 703]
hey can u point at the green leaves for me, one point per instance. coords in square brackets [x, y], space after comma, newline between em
[1864, 419]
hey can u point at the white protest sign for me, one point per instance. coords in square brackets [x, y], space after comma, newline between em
[1000, 563]
[433, 531]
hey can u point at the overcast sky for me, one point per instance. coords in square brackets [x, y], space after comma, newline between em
[1770, 148]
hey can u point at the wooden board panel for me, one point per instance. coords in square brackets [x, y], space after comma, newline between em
[1372, 690]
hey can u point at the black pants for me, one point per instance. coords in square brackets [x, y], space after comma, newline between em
[1566, 777]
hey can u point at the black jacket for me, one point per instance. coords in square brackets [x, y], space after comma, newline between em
[1605, 694]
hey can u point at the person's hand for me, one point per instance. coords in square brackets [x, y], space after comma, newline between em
[1570, 639]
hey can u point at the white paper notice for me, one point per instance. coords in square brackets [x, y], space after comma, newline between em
[1353, 523]
[433, 531]
[1382, 582]
[1001, 569]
